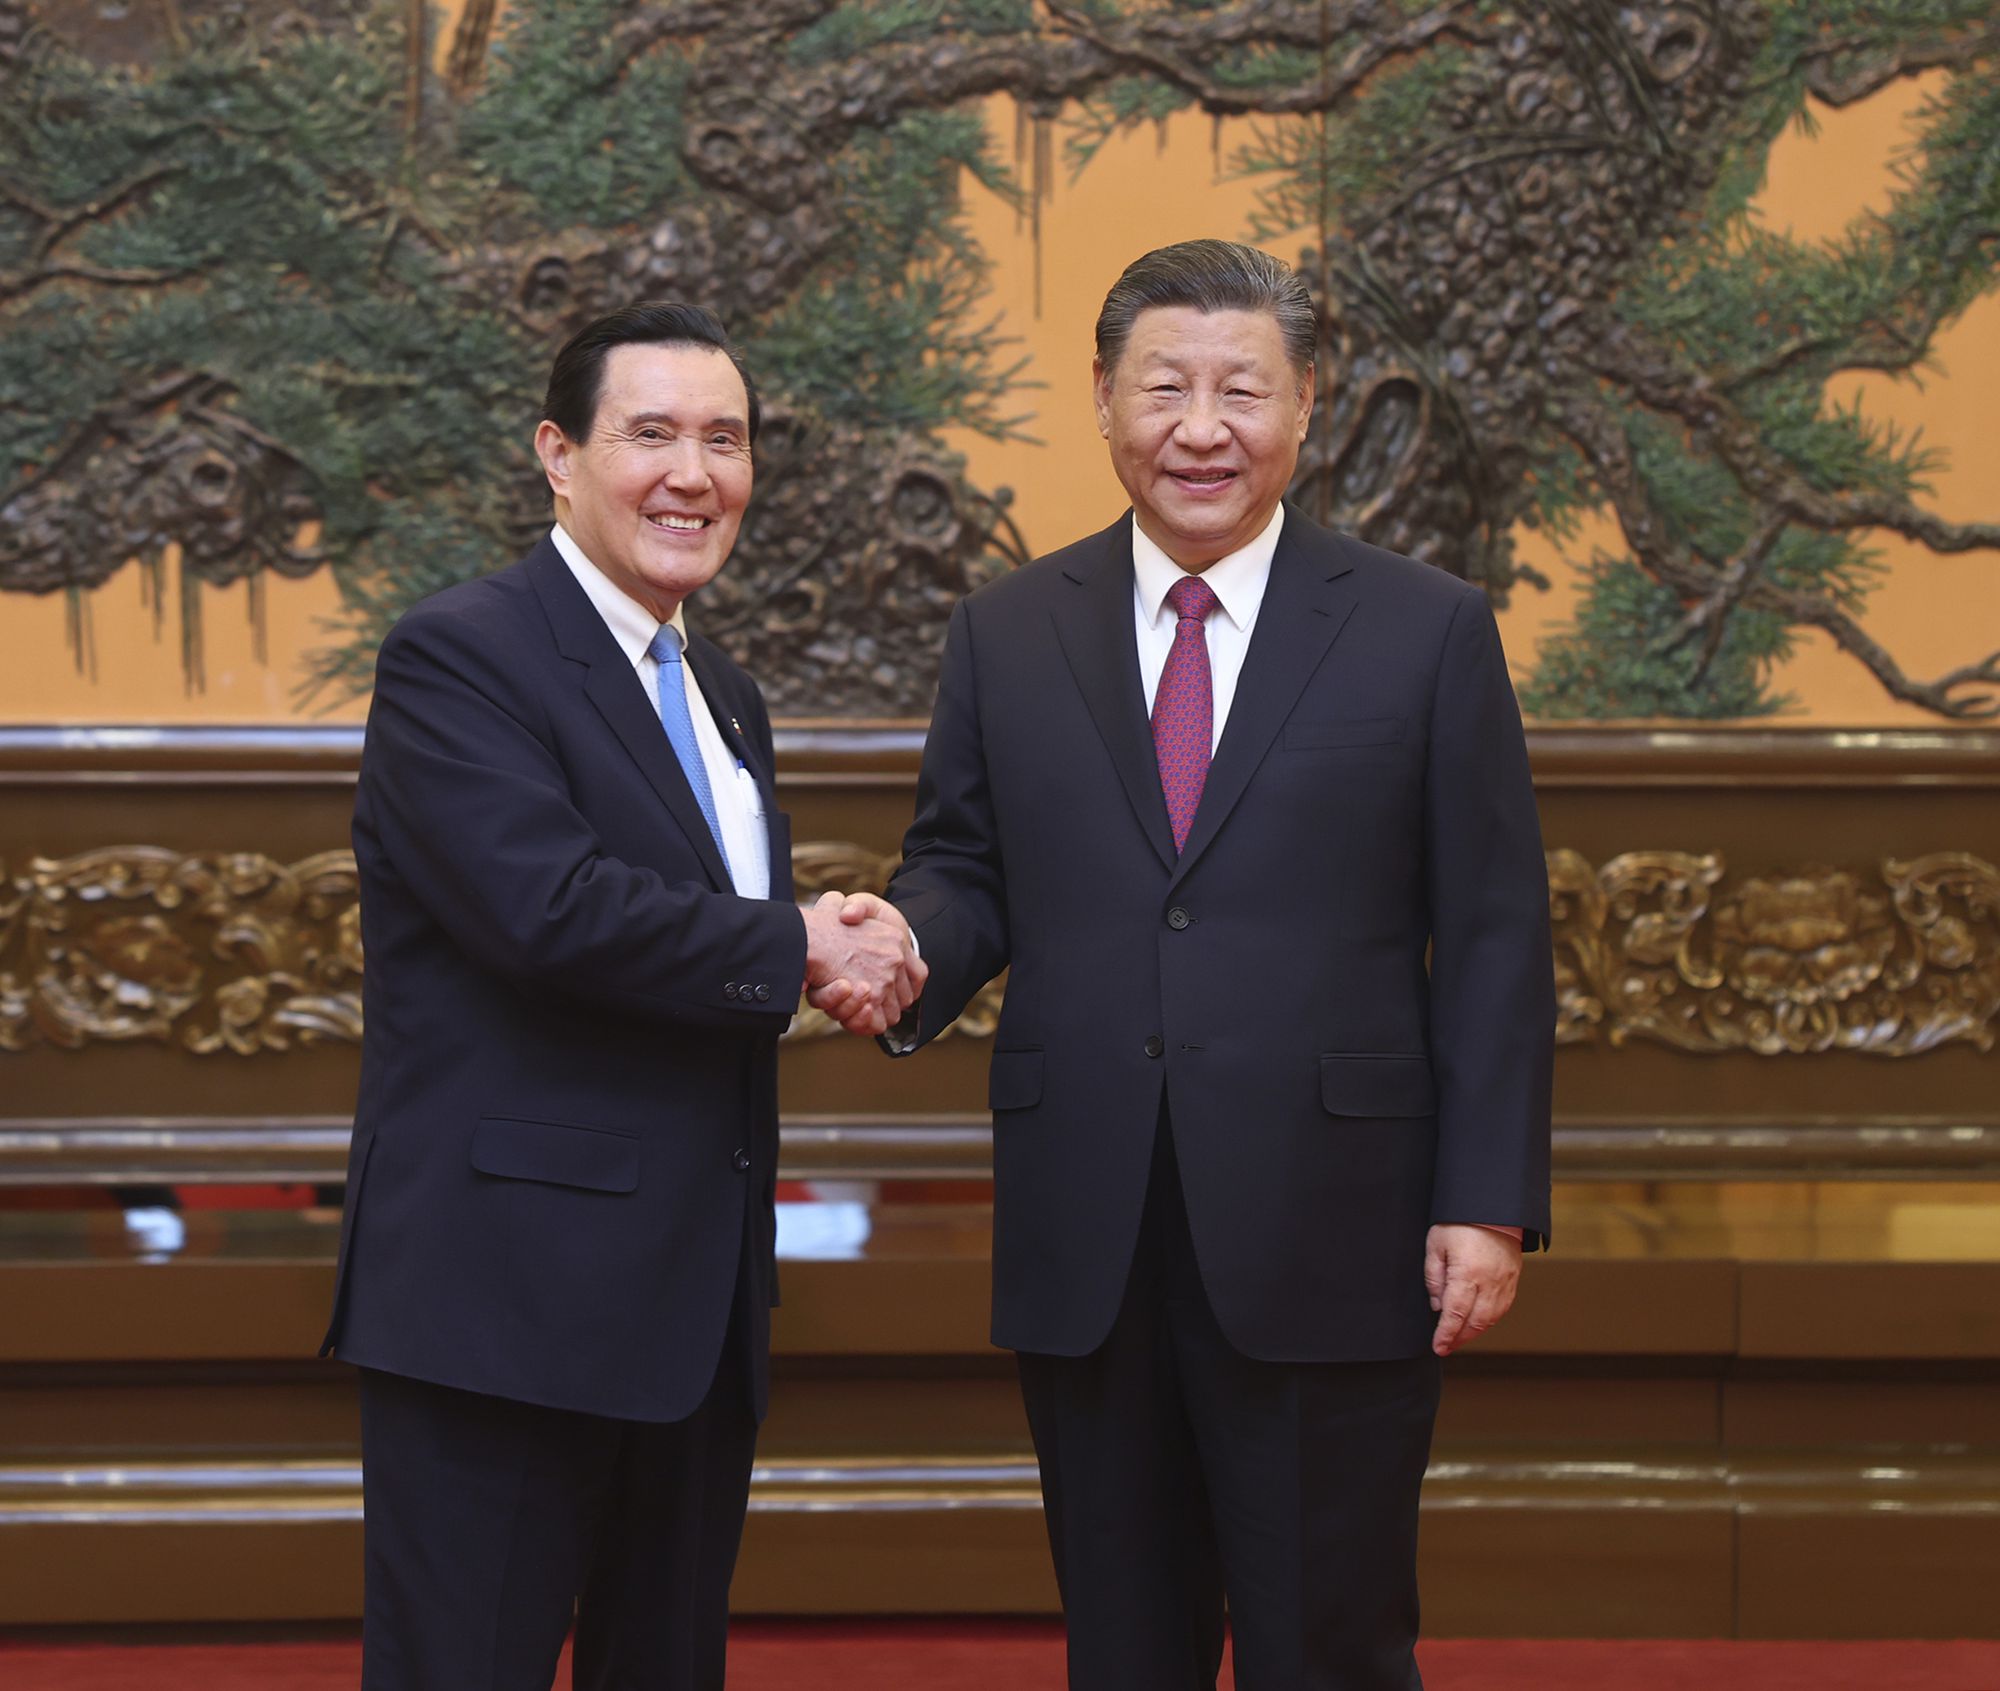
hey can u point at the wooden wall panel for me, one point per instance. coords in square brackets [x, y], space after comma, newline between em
[1767, 804]
[1896, 1568]
[1770, 1286]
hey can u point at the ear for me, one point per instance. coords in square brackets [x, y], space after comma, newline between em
[554, 447]
[1305, 402]
[1100, 391]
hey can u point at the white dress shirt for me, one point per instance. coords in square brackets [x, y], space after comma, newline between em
[739, 806]
[1238, 582]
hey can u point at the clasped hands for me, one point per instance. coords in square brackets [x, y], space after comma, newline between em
[862, 967]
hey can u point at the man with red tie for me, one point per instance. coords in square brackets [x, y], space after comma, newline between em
[1245, 806]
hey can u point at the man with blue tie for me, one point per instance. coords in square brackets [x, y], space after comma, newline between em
[556, 1266]
[1245, 806]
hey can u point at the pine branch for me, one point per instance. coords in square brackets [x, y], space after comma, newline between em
[648, 26]
[1846, 70]
[202, 411]
[87, 432]
[1881, 346]
[1940, 695]
[59, 224]
[21, 283]
[469, 44]
[1739, 576]
[1658, 379]
[1968, 693]
[1598, 435]
[1174, 47]
[884, 82]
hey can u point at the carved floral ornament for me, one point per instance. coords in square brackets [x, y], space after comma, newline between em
[238, 953]
[1812, 959]
[233, 952]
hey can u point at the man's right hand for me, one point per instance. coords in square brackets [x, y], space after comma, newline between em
[861, 964]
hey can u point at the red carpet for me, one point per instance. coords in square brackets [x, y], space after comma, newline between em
[1027, 1656]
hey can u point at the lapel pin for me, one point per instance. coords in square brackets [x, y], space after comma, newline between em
[736, 725]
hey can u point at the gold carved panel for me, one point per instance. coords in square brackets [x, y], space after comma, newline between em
[228, 953]
[237, 953]
[1654, 945]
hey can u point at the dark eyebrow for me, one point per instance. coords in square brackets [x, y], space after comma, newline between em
[735, 423]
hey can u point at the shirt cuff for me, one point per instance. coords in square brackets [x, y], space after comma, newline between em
[1514, 1233]
[901, 1039]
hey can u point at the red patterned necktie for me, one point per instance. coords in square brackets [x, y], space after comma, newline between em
[1184, 706]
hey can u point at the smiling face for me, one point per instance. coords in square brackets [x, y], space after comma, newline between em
[656, 494]
[1204, 414]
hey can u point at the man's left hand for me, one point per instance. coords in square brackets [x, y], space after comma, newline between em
[1471, 1273]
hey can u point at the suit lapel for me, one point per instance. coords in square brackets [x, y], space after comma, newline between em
[1095, 625]
[1305, 607]
[612, 685]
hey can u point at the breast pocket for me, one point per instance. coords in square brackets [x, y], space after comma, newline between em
[1303, 736]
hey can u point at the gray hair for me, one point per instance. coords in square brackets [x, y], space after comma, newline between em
[1210, 276]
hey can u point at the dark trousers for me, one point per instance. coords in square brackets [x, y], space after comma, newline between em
[1181, 1477]
[489, 1522]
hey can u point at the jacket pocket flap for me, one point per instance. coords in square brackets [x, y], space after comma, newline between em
[1355, 731]
[557, 1152]
[1377, 1086]
[1015, 1080]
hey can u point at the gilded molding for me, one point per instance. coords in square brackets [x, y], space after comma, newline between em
[236, 953]
[1652, 945]
[233, 952]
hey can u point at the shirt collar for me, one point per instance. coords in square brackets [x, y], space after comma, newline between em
[631, 624]
[1237, 580]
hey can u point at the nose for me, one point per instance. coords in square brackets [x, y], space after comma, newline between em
[686, 469]
[1202, 427]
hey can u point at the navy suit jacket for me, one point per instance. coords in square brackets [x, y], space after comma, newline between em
[1342, 985]
[566, 1138]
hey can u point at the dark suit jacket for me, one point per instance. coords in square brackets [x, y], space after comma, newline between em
[567, 1125]
[1343, 983]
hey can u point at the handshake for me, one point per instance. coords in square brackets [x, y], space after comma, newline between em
[862, 967]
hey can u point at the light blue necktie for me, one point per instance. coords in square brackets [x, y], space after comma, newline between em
[679, 724]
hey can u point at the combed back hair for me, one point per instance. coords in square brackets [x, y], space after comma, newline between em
[1210, 276]
[577, 376]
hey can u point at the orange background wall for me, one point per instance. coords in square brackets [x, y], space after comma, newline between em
[1143, 190]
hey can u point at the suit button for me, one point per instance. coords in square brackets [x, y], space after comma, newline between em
[742, 1159]
[728, 989]
[1154, 1045]
[763, 994]
[1178, 918]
